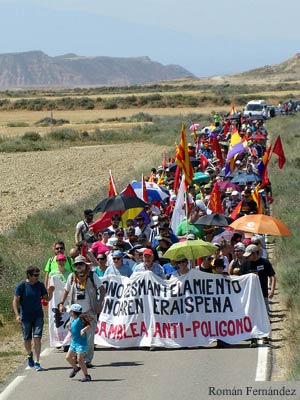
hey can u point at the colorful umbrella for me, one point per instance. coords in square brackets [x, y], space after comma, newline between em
[190, 249]
[261, 223]
[194, 127]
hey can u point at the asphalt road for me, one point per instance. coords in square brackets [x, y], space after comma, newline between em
[202, 373]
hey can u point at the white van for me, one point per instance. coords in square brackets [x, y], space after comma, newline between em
[255, 108]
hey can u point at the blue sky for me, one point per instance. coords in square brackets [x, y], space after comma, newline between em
[212, 37]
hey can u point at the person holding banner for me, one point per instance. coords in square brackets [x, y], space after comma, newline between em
[183, 268]
[263, 268]
[148, 264]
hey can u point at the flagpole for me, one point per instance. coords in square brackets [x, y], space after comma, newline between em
[186, 210]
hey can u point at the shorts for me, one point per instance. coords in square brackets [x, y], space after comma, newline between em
[78, 348]
[32, 328]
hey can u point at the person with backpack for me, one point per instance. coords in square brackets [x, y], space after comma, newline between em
[84, 235]
[87, 290]
[29, 313]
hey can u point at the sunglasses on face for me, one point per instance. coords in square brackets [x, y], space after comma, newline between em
[59, 248]
[36, 275]
[116, 258]
[101, 258]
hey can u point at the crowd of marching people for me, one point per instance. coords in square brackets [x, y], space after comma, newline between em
[229, 176]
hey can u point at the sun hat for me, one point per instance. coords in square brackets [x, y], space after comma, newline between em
[79, 260]
[252, 248]
[117, 253]
[76, 308]
[61, 257]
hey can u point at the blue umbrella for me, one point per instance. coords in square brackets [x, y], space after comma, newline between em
[243, 178]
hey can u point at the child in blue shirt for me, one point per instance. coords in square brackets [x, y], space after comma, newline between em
[79, 325]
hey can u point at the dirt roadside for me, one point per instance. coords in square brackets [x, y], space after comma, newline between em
[46, 180]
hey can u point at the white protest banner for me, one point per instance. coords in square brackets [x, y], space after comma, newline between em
[57, 321]
[194, 310]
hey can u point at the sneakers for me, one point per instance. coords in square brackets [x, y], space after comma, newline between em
[74, 372]
[253, 343]
[30, 360]
[37, 367]
[87, 378]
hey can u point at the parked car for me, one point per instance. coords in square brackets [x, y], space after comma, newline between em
[255, 108]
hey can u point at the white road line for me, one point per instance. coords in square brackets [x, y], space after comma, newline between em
[262, 364]
[11, 387]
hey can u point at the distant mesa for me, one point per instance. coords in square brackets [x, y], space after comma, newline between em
[35, 69]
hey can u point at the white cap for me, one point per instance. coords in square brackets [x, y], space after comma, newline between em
[235, 193]
[201, 205]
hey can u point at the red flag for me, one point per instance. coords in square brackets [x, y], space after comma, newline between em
[183, 158]
[236, 211]
[203, 162]
[278, 149]
[112, 191]
[226, 127]
[144, 190]
[216, 147]
[215, 202]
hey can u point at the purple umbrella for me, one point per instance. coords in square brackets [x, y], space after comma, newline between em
[223, 185]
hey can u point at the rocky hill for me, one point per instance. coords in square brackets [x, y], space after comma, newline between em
[287, 71]
[37, 69]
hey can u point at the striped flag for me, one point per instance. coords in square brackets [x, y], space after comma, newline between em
[183, 158]
[256, 197]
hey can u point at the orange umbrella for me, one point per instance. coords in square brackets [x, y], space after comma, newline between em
[260, 223]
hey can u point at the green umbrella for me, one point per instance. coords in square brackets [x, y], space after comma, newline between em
[190, 249]
[200, 177]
